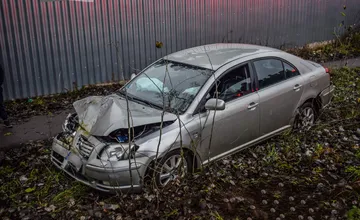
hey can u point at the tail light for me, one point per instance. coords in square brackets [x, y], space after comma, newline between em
[327, 70]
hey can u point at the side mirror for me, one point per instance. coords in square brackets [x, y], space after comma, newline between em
[215, 104]
[133, 75]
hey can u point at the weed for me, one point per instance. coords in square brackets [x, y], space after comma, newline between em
[34, 174]
[49, 183]
[285, 166]
[344, 47]
[39, 101]
[216, 215]
[354, 171]
[45, 151]
[30, 189]
[277, 195]
[4, 171]
[319, 149]
[174, 212]
[10, 190]
[23, 164]
[318, 170]
[10, 186]
[272, 155]
[353, 214]
[357, 155]
[76, 190]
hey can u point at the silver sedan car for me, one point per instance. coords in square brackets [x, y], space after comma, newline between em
[188, 109]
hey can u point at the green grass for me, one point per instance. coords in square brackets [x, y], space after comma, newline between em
[354, 171]
[353, 214]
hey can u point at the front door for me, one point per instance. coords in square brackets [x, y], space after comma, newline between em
[238, 123]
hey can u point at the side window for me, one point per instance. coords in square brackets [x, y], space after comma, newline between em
[269, 72]
[233, 84]
[290, 71]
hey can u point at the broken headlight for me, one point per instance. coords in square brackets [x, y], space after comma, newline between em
[117, 152]
[113, 153]
[71, 123]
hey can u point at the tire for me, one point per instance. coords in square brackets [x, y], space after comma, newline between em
[165, 171]
[306, 117]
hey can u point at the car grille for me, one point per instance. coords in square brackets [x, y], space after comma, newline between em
[58, 157]
[85, 147]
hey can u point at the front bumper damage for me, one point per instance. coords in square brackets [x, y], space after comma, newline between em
[85, 166]
[82, 150]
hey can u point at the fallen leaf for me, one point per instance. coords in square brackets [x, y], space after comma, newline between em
[8, 134]
[23, 178]
[71, 202]
[110, 207]
[114, 207]
[50, 208]
[159, 44]
[29, 190]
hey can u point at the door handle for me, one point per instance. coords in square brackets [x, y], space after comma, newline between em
[297, 87]
[252, 105]
[195, 135]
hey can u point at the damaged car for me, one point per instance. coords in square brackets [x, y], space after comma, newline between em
[187, 109]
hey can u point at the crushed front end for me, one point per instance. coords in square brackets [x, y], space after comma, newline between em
[98, 162]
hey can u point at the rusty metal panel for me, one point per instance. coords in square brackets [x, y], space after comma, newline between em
[53, 46]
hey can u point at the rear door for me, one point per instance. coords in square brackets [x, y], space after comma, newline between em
[280, 87]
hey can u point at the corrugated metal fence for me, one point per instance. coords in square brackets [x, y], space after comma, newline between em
[51, 47]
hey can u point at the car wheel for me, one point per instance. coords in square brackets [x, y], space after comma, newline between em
[172, 166]
[306, 117]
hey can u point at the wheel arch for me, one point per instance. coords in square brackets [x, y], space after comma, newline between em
[187, 151]
[316, 100]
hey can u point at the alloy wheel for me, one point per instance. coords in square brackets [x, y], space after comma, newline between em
[307, 117]
[175, 166]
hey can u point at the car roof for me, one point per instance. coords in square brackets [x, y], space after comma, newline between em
[218, 54]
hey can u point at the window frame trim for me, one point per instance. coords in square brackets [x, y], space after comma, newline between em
[282, 60]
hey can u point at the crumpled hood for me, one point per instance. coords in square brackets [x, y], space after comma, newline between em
[101, 115]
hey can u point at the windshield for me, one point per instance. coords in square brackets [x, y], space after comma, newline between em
[168, 83]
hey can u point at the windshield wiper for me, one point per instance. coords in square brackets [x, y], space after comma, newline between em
[138, 100]
[147, 103]
[120, 92]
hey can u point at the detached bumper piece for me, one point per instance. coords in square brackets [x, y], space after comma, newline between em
[326, 95]
[95, 173]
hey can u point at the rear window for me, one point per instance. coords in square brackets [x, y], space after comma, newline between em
[290, 71]
[269, 72]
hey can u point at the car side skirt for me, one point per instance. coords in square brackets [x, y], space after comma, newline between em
[248, 144]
